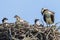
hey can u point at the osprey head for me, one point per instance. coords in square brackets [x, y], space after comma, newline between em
[37, 21]
[16, 16]
[4, 20]
[43, 10]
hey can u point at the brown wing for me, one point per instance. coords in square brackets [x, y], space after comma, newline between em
[52, 18]
[44, 17]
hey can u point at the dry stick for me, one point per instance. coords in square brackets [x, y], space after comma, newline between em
[54, 31]
[48, 35]
[54, 35]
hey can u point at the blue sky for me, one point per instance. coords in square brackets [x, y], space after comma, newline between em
[28, 9]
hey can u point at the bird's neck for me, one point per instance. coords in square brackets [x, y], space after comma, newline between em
[5, 21]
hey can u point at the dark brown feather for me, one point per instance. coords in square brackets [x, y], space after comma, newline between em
[44, 17]
[52, 18]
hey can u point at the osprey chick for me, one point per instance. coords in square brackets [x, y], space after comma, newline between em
[19, 20]
[37, 22]
[4, 20]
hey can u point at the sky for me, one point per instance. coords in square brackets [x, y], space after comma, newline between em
[28, 10]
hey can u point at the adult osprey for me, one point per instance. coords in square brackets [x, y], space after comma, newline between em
[48, 16]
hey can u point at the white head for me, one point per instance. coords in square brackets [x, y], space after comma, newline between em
[43, 9]
[4, 20]
[37, 21]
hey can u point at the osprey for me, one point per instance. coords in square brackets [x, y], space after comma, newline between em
[48, 16]
[21, 21]
[4, 20]
[37, 22]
